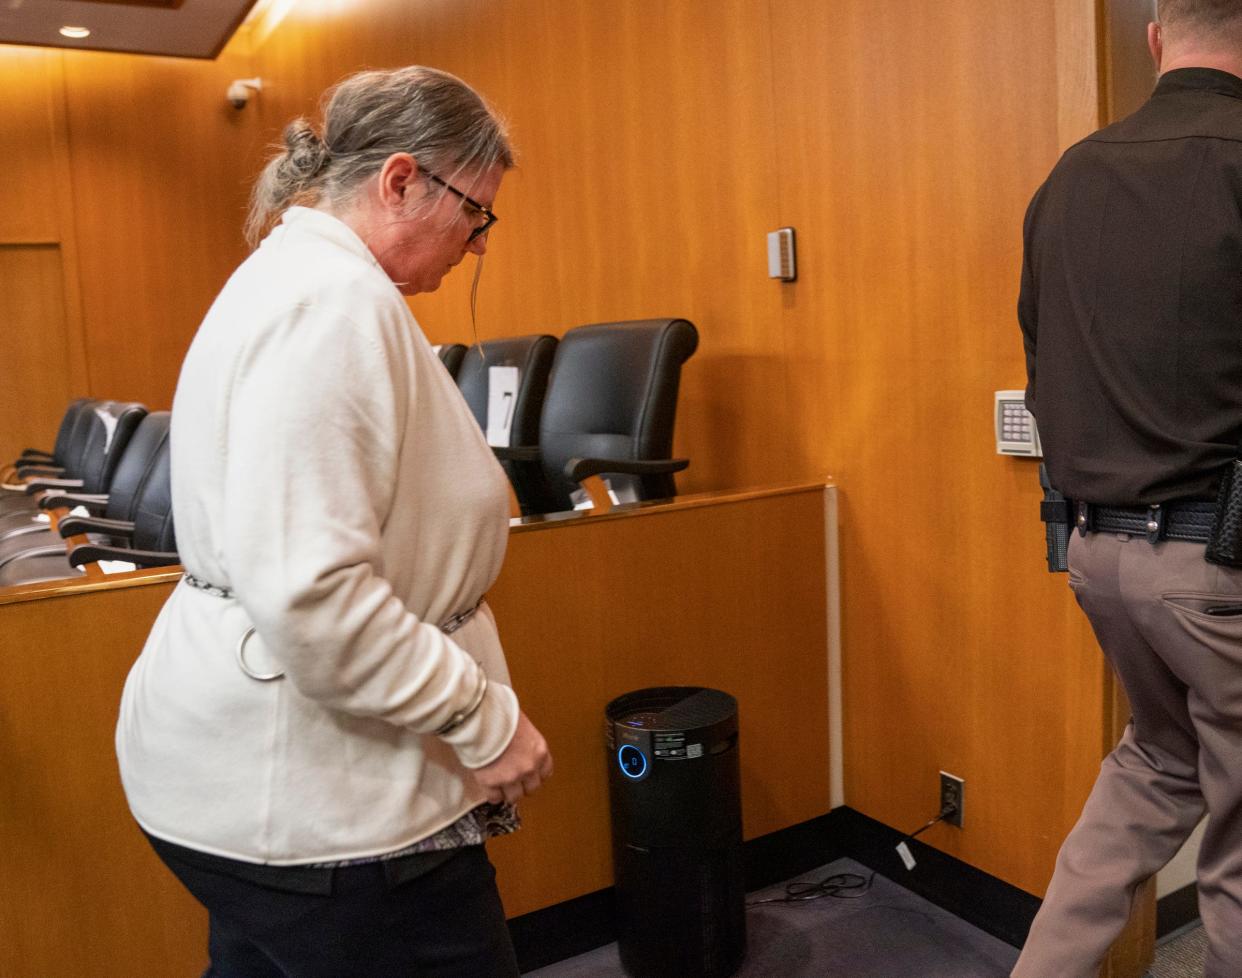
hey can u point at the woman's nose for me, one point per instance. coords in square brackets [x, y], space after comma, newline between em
[478, 245]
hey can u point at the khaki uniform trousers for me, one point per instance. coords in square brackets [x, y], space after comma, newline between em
[1180, 755]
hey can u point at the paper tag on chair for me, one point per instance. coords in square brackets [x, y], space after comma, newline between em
[581, 499]
[502, 386]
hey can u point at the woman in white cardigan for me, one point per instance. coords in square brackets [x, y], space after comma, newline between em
[320, 733]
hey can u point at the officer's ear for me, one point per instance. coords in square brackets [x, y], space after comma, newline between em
[1155, 43]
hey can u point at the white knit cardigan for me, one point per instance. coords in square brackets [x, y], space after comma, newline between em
[327, 472]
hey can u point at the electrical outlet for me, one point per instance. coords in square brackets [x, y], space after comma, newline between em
[952, 794]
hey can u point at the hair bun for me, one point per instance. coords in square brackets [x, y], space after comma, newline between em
[305, 152]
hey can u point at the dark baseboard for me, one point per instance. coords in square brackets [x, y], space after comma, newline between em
[584, 923]
[1177, 909]
[995, 907]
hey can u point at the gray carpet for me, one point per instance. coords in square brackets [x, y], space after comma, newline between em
[886, 933]
[1181, 955]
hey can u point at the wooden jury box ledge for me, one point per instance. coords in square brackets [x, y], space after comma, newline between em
[164, 575]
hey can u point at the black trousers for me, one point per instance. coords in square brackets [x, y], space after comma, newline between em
[427, 916]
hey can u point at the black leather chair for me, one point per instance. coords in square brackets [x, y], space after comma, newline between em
[113, 514]
[68, 443]
[153, 542]
[136, 526]
[610, 410]
[98, 442]
[35, 456]
[532, 356]
[451, 355]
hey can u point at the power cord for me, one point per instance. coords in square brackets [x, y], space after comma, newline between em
[848, 886]
[947, 811]
[843, 886]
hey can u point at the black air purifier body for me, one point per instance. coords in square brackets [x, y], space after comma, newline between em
[677, 832]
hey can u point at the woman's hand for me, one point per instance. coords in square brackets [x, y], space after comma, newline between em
[521, 769]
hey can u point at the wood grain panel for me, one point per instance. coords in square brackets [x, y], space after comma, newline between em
[27, 211]
[729, 595]
[81, 893]
[919, 145]
[160, 165]
[34, 348]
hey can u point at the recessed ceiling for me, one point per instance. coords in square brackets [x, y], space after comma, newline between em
[180, 28]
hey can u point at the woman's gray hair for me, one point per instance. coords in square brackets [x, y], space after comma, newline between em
[435, 117]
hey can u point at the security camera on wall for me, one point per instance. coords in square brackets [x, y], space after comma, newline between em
[239, 91]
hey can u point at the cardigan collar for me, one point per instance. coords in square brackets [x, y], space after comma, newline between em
[323, 225]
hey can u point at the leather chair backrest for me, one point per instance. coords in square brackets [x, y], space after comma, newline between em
[532, 355]
[613, 394]
[136, 465]
[111, 425]
[153, 516]
[451, 355]
[77, 438]
[64, 434]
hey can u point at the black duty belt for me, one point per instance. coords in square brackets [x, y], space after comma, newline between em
[1180, 519]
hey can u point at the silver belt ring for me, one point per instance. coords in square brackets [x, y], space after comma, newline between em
[460, 618]
[263, 677]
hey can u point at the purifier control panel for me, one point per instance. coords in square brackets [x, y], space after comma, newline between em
[633, 761]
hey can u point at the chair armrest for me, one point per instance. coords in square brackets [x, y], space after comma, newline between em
[39, 485]
[37, 471]
[579, 468]
[517, 453]
[68, 500]
[71, 526]
[86, 553]
[34, 455]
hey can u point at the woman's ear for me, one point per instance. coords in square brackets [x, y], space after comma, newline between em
[396, 180]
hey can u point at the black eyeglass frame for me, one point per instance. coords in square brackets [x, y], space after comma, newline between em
[486, 211]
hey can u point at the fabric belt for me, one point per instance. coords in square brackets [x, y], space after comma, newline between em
[1179, 519]
[448, 626]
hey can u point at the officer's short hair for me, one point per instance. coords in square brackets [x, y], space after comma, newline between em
[1209, 16]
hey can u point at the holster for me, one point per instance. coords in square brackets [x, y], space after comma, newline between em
[1057, 514]
[1224, 544]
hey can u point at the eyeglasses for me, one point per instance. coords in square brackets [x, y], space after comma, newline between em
[489, 218]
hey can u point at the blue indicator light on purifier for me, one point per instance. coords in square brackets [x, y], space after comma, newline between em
[632, 760]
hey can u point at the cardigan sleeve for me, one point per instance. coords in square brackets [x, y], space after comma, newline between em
[316, 410]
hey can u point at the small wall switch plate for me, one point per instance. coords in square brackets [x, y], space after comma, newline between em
[782, 260]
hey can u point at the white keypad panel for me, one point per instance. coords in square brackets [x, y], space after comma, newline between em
[1016, 433]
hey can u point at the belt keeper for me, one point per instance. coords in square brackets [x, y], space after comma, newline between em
[1155, 523]
[1083, 520]
[1056, 511]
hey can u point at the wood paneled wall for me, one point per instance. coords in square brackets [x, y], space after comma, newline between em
[659, 141]
[120, 223]
[40, 323]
